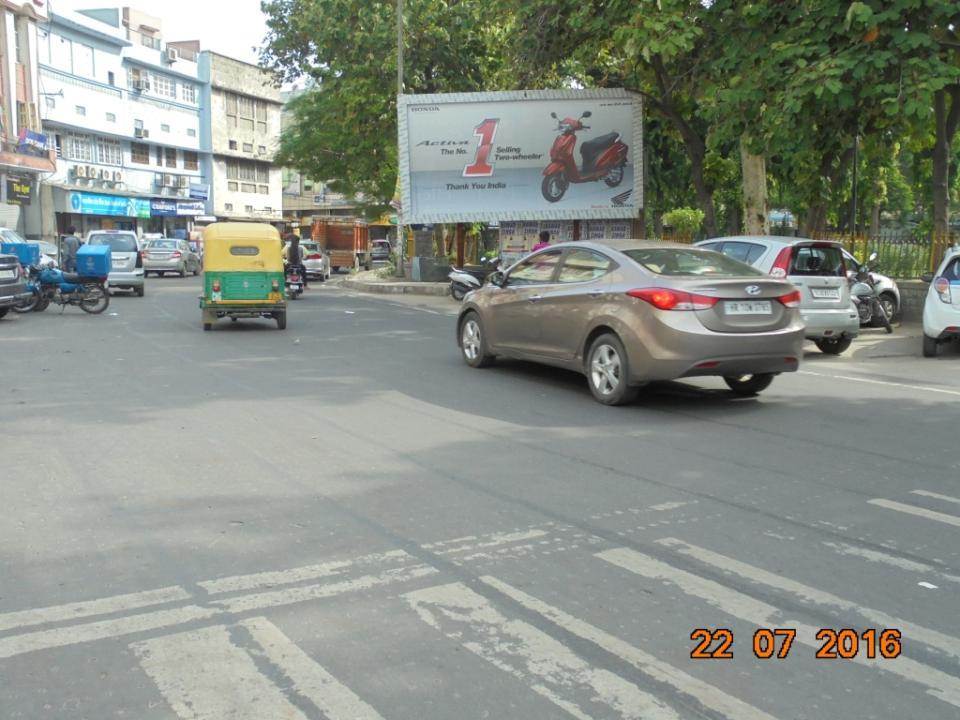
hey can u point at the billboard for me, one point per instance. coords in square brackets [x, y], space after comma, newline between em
[526, 155]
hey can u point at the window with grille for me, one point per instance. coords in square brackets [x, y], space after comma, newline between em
[140, 153]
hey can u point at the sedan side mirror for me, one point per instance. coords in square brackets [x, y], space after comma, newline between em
[498, 278]
[927, 277]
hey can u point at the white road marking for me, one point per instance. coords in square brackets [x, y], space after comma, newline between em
[549, 667]
[870, 381]
[289, 596]
[61, 637]
[760, 614]
[918, 511]
[335, 700]
[709, 696]
[255, 581]
[945, 643]
[892, 560]
[204, 676]
[936, 496]
[83, 609]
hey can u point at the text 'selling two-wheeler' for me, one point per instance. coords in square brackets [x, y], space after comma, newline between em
[603, 159]
[864, 295]
[48, 285]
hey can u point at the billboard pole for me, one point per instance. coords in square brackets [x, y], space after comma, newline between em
[401, 235]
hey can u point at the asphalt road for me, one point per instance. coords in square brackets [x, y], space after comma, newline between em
[342, 520]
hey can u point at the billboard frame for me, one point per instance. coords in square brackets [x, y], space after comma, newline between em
[612, 213]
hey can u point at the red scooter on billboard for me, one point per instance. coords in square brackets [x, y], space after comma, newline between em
[603, 158]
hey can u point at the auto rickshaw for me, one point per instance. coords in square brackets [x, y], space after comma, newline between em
[242, 273]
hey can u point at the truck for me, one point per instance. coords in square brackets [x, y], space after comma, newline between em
[347, 242]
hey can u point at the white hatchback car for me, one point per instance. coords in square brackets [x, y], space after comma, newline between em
[941, 311]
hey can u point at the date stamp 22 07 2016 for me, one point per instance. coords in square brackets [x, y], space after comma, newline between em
[776, 643]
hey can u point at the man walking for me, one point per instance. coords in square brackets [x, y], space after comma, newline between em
[68, 250]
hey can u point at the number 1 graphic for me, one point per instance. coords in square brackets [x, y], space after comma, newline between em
[480, 167]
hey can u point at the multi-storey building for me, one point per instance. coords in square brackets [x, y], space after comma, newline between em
[240, 134]
[24, 152]
[122, 109]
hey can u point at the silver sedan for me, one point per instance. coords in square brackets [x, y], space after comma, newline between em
[626, 313]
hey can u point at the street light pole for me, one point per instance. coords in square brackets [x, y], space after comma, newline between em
[401, 235]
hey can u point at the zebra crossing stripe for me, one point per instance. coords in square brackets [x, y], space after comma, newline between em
[918, 511]
[335, 700]
[760, 614]
[709, 696]
[947, 644]
[547, 666]
[203, 675]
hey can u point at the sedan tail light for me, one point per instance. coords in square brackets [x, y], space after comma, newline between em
[942, 286]
[790, 300]
[667, 299]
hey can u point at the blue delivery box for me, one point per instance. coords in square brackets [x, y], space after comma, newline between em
[27, 253]
[93, 261]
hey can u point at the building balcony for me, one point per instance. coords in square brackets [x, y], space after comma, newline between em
[26, 157]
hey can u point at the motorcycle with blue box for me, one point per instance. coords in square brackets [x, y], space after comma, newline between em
[85, 288]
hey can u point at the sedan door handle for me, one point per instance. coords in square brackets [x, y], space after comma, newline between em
[535, 298]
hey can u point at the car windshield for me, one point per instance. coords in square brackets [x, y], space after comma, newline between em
[681, 262]
[162, 245]
[117, 243]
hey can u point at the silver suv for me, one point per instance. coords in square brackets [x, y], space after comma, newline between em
[816, 268]
[126, 268]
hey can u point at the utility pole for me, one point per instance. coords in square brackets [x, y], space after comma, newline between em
[401, 235]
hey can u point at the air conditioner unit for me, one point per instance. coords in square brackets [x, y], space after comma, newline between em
[80, 171]
[171, 55]
[183, 181]
[169, 180]
[118, 177]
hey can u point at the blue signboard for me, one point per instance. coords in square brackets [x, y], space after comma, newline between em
[31, 143]
[163, 208]
[199, 191]
[96, 204]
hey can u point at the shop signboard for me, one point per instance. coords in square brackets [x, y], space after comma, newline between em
[86, 203]
[527, 155]
[163, 208]
[18, 190]
[190, 208]
[199, 191]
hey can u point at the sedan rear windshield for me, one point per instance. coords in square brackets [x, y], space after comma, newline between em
[691, 262]
[817, 261]
[117, 243]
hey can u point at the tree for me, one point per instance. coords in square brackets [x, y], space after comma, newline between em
[344, 130]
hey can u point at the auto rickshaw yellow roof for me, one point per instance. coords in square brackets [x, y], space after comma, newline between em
[247, 232]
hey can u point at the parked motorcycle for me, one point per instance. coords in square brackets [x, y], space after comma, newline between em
[603, 158]
[294, 282]
[863, 292]
[464, 280]
[49, 285]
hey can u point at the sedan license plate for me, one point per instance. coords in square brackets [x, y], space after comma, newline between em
[748, 307]
[825, 293]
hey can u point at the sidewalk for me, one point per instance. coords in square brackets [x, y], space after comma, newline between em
[370, 282]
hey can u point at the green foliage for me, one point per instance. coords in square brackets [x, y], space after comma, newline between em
[684, 220]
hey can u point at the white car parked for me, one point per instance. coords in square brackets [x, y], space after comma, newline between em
[941, 311]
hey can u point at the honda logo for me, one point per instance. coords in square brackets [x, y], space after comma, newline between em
[753, 289]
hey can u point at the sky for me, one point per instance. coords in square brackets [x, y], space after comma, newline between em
[229, 27]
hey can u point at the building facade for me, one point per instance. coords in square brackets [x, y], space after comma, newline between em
[240, 136]
[122, 110]
[25, 156]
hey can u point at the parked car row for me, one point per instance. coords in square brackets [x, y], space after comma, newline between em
[626, 313]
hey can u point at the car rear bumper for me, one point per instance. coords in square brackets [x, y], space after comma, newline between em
[678, 345]
[831, 323]
[125, 279]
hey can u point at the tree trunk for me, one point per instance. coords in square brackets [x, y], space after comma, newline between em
[756, 220]
[945, 120]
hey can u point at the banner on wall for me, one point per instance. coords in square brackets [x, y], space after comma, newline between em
[528, 155]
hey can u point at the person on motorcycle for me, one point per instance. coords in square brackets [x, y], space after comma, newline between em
[293, 257]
